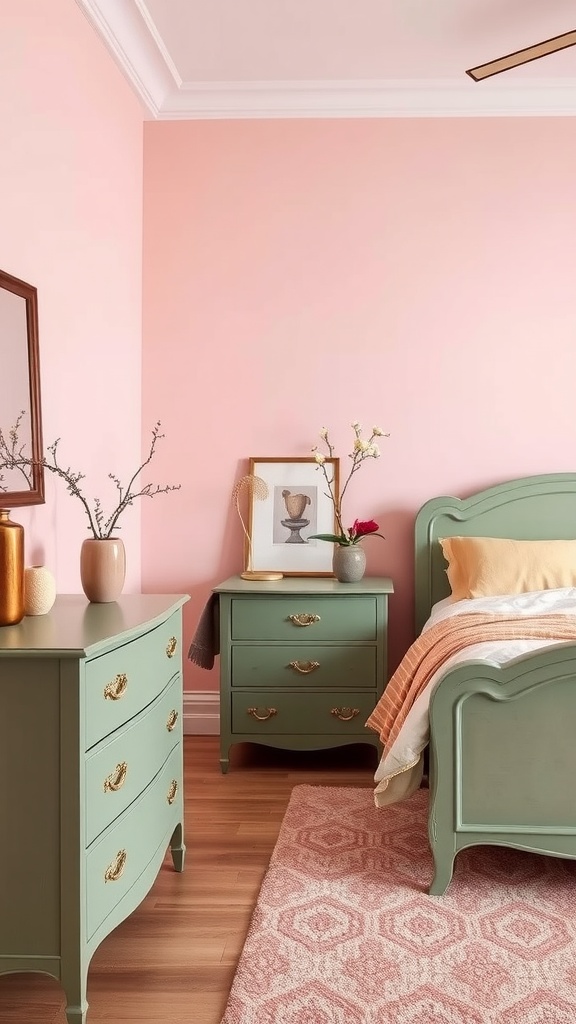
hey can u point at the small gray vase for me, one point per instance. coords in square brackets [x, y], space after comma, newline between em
[349, 562]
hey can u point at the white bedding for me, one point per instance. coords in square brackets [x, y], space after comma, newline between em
[400, 770]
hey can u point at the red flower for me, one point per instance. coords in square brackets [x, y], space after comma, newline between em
[363, 529]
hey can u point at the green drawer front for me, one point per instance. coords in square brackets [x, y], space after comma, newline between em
[131, 759]
[338, 618]
[135, 674]
[137, 834]
[301, 714]
[304, 665]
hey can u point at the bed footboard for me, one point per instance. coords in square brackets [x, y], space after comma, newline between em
[503, 758]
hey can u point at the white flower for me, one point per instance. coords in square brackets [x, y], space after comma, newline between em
[361, 450]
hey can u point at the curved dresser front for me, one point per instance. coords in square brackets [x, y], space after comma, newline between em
[90, 777]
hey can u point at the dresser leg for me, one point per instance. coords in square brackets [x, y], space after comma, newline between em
[177, 848]
[224, 765]
[73, 981]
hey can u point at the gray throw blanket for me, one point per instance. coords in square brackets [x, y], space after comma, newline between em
[206, 641]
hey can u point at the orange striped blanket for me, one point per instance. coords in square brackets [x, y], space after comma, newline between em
[449, 636]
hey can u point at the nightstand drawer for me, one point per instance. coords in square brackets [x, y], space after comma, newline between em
[305, 665]
[304, 618]
[272, 712]
[122, 683]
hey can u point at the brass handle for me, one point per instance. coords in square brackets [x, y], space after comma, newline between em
[345, 714]
[270, 712]
[172, 791]
[304, 666]
[116, 779]
[172, 719]
[113, 871]
[171, 647]
[117, 688]
[304, 619]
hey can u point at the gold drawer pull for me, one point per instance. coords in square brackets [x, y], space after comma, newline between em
[172, 791]
[304, 619]
[270, 712]
[172, 719]
[113, 871]
[345, 714]
[171, 647]
[304, 666]
[116, 779]
[117, 688]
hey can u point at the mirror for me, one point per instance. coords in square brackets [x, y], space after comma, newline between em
[20, 393]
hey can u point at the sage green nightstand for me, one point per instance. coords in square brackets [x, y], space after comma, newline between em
[303, 661]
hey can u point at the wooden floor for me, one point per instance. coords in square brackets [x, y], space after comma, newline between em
[173, 960]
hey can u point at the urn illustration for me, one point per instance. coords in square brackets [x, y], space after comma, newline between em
[295, 504]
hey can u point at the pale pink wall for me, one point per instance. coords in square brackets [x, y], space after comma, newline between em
[71, 224]
[417, 274]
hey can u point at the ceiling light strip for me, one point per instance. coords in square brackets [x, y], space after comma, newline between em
[512, 60]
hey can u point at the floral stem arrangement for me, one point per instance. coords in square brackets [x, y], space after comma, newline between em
[101, 525]
[362, 449]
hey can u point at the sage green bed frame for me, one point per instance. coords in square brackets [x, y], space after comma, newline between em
[502, 739]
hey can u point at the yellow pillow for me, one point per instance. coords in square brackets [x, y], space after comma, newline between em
[487, 566]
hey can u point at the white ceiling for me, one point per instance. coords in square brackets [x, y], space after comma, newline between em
[337, 58]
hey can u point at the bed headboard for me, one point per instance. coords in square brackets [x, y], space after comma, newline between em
[530, 508]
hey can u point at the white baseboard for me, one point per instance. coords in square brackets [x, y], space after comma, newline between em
[201, 712]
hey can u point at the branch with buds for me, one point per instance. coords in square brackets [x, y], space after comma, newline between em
[12, 456]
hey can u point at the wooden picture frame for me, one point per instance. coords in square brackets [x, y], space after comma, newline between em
[298, 504]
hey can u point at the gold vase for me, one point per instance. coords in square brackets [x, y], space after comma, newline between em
[102, 569]
[11, 570]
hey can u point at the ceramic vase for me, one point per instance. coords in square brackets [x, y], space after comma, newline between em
[349, 562]
[39, 590]
[102, 569]
[11, 570]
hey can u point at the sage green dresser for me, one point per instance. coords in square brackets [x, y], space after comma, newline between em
[303, 661]
[90, 777]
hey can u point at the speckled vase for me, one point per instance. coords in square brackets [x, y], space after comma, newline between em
[102, 569]
[349, 562]
[39, 590]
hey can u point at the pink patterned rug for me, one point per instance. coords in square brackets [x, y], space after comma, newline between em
[344, 931]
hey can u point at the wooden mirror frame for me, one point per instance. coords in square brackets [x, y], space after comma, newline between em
[34, 495]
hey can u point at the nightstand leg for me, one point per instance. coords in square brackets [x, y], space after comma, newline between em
[77, 1014]
[224, 765]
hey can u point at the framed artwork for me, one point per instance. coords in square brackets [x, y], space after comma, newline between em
[298, 504]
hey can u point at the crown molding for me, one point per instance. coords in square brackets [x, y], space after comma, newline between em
[350, 99]
[130, 37]
[126, 32]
